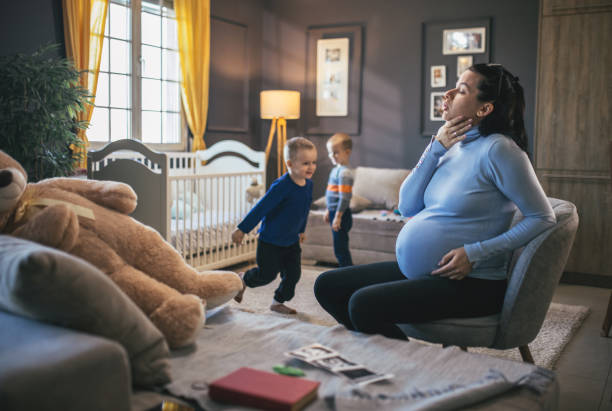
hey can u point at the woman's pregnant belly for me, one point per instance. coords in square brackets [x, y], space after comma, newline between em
[424, 240]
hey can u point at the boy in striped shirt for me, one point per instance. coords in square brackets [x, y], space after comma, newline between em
[338, 195]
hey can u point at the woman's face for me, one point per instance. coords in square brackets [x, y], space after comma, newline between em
[462, 100]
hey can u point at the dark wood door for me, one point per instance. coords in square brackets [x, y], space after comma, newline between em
[573, 121]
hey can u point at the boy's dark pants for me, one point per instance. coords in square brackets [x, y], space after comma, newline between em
[341, 239]
[272, 259]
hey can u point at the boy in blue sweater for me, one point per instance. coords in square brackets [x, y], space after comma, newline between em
[283, 212]
[338, 196]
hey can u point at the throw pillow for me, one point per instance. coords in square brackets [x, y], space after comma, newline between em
[49, 285]
[357, 204]
[379, 185]
[319, 204]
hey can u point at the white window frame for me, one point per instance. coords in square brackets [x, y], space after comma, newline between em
[135, 7]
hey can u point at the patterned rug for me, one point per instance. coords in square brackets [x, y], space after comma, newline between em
[560, 324]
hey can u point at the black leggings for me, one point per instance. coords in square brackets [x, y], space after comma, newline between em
[372, 298]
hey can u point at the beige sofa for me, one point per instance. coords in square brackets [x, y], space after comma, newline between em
[375, 224]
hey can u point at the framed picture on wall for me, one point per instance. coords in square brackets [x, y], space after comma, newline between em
[332, 95]
[436, 106]
[470, 34]
[332, 77]
[463, 41]
[438, 76]
[463, 63]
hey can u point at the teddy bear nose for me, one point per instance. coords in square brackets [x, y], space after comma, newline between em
[6, 178]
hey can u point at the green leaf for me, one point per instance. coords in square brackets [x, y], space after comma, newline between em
[40, 98]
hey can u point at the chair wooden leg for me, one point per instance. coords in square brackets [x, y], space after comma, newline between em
[526, 354]
[605, 327]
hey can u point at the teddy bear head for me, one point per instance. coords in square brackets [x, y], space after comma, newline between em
[13, 182]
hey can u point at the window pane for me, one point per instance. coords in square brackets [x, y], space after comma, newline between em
[120, 56]
[104, 58]
[151, 30]
[98, 126]
[102, 90]
[151, 127]
[170, 96]
[172, 128]
[151, 94]
[171, 65]
[119, 21]
[119, 91]
[120, 124]
[151, 61]
[169, 34]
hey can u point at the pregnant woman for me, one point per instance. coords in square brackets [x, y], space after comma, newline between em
[452, 256]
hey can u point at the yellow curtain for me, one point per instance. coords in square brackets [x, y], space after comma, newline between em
[193, 25]
[84, 22]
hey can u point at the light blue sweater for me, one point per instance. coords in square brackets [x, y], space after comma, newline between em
[466, 197]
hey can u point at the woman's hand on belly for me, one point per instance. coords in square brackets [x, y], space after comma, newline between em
[454, 265]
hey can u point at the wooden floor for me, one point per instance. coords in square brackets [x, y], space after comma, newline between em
[584, 368]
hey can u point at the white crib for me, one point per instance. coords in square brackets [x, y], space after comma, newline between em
[194, 200]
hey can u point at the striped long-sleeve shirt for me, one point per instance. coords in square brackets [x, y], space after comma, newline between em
[339, 188]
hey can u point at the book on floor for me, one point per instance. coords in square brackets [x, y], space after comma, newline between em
[264, 390]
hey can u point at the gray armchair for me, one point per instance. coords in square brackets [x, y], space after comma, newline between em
[534, 274]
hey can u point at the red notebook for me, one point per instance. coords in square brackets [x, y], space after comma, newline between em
[264, 390]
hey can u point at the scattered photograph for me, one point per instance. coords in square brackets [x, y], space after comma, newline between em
[463, 41]
[438, 76]
[436, 106]
[463, 63]
[363, 376]
[333, 363]
[313, 351]
[326, 358]
[357, 373]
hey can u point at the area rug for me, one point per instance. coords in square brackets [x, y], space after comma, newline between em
[561, 322]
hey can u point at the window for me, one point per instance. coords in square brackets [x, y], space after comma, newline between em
[138, 94]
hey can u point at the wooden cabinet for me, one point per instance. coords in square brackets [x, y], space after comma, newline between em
[573, 122]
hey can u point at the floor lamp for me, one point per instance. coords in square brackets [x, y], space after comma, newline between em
[279, 106]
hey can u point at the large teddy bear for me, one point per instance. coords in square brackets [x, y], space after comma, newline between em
[90, 219]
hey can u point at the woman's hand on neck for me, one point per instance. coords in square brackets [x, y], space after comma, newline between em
[453, 131]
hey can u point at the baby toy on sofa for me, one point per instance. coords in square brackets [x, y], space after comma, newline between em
[89, 219]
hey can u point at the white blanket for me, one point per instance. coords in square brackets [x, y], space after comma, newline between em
[426, 377]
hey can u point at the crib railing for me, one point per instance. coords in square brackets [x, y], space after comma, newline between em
[205, 209]
[201, 205]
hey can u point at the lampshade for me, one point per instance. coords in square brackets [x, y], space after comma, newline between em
[280, 103]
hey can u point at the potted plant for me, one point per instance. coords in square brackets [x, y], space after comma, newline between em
[40, 97]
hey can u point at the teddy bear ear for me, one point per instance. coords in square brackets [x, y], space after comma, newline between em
[6, 161]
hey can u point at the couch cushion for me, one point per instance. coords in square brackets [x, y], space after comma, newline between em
[45, 284]
[357, 204]
[379, 185]
[45, 368]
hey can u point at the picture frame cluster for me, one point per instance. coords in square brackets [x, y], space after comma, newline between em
[463, 43]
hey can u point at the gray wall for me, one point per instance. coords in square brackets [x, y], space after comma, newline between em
[272, 35]
[28, 24]
[236, 65]
[390, 123]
